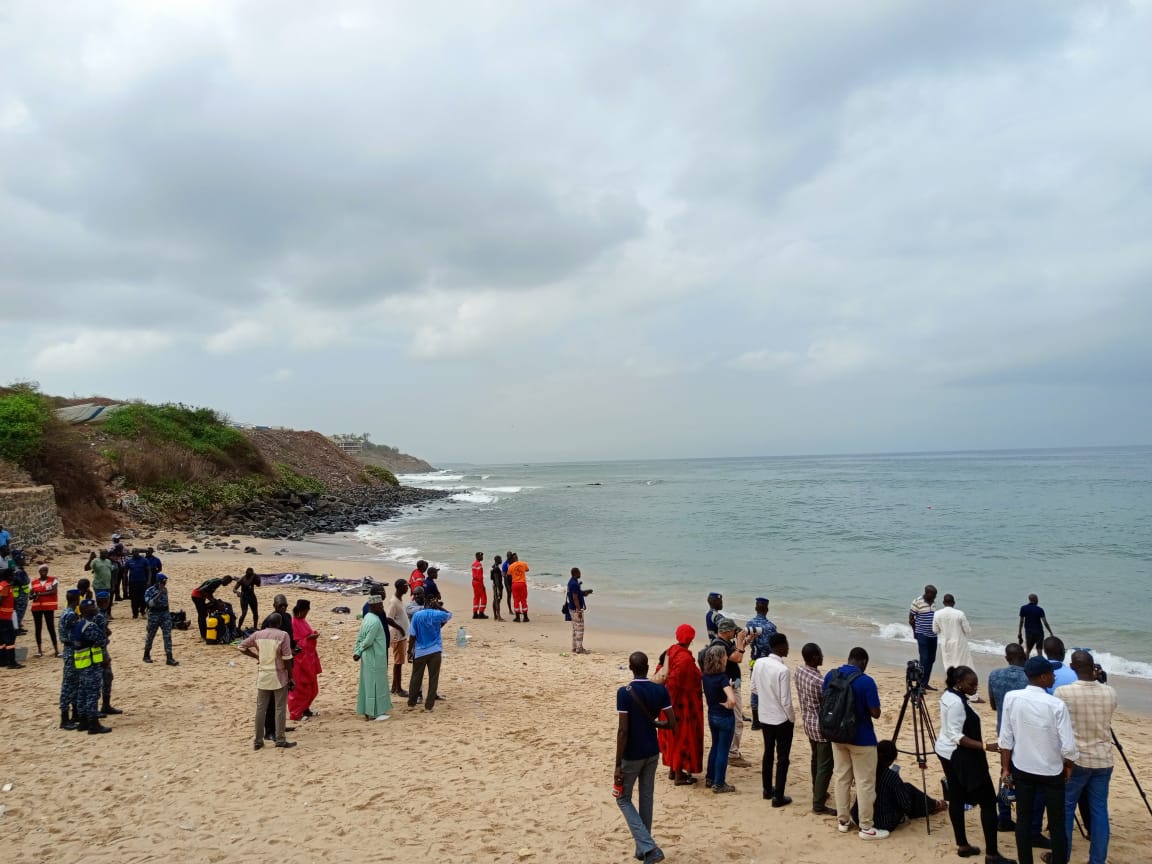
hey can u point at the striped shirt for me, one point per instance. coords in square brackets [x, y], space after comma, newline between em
[1091, 706]
[922, 613]
[810, 690]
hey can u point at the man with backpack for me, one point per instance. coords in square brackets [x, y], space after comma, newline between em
[851, 702]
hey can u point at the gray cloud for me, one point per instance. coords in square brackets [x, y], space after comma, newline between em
[751, 209]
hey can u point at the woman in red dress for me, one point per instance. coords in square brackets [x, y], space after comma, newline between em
[683, 748]
[305, 665]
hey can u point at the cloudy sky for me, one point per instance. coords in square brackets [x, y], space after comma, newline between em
[513, 231]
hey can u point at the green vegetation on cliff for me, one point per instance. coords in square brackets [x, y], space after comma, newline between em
[24, 417]
[201, 430]
[382, 474]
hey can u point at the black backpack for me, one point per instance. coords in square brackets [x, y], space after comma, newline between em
[838, 710]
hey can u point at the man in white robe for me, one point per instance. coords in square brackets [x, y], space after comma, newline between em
[952, 629]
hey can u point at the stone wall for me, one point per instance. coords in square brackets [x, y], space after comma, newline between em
[29, 514]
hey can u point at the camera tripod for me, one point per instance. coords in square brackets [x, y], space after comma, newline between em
[923, 736]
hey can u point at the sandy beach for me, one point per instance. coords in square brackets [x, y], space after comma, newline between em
[514, 766]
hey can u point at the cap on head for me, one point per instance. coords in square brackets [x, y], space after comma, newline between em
[115, 536]
[43, 568]
[161, 577]
[1037, 666]
[763, 600]
[72, 593]
[87, 602]
[714, 595]
[725, 625]
[432, 571]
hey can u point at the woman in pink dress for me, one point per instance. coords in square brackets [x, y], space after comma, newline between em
[305, 665]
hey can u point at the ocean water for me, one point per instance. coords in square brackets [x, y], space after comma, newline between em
[840, 545]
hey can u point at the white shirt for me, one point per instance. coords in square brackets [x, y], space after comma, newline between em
[1037, 729]
[951, 724]
[772, 684]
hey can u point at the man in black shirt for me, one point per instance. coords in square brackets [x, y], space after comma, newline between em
[638, 752]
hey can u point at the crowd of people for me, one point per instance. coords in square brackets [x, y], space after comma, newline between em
[1053, 732]
[1053, 720]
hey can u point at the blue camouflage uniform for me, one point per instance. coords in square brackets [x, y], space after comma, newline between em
[86, 636]
[101, 621]
[70, 680]
[759, 647]
[159, 617]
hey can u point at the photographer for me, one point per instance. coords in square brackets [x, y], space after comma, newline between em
[1091, 706]
[574, 607]
[426, 649]
[732, 640]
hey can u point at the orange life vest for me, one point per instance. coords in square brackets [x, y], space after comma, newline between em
[45, 596]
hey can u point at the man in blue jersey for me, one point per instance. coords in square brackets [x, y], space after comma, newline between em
[715, 607]
[920, 616]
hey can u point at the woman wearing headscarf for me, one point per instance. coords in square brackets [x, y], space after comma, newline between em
[683, 747]
[306, 664]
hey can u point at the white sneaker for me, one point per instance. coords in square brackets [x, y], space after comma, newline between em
[383, 716]
[873, 833]
[843, 827]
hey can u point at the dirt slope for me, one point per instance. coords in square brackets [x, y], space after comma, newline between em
[312, 455]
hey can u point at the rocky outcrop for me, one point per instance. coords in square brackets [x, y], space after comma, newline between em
[291, 517]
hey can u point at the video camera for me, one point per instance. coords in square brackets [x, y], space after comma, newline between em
[914, 675]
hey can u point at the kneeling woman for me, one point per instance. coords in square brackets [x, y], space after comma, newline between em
[961, 751]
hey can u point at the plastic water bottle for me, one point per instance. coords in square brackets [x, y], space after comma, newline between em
[461, 638]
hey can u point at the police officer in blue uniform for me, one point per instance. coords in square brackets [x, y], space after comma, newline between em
[88, 658]
[103, 608]
[159, 618]
[64, 625]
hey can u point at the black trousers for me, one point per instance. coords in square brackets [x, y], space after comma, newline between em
[778, 746]
[431, 662]
[40, 616]
[202, 616]
[1031, 788]
[989, 812]
[136, 595]
[248, 601]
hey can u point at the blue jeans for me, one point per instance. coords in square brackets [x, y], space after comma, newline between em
[1095, 781]
[723, 727]
[640, 823]
[927, 653]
